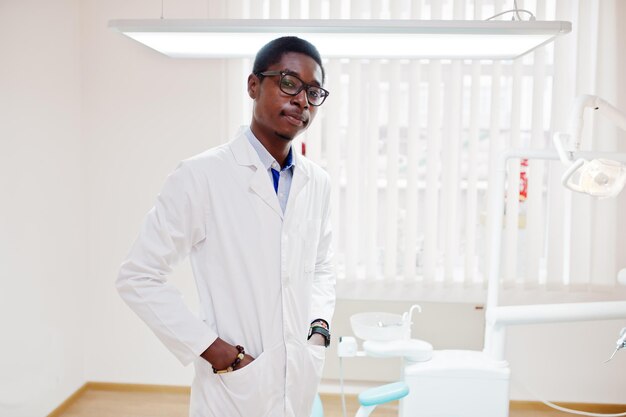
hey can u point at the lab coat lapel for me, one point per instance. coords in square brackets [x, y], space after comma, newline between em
[299, 180]
[261, 185]
[259, 181]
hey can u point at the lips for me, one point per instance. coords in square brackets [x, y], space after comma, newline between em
[295, 118]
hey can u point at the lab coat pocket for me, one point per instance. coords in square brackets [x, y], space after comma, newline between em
[311, 377]
[309, 233]
[317, 355]
[252, 388]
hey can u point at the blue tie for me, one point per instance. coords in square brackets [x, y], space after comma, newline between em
[275, 177]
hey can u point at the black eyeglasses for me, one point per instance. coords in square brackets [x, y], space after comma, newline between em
[292, 85]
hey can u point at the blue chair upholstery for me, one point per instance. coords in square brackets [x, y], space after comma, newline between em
[370, 398]
[384, 394]
[318, 410]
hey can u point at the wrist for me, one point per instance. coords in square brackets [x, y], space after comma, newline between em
[241, 353]
[220, 354]
[318, 329]
[317, 339]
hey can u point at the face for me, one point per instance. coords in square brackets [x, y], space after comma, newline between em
[277, 116]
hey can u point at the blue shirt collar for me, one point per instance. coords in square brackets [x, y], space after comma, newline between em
[289, 161]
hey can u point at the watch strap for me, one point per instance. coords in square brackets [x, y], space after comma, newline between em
[322, 331]
[320, 322]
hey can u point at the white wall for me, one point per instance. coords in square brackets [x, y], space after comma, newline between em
[140, 113]
[620, 103]
[42, 207]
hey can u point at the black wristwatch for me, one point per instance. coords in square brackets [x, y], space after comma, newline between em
[320, 330]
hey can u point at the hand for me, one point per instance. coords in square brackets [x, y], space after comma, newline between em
[247, 359]
[222, 354]
[317, 339]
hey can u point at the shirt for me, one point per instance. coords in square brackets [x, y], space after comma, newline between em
[282, 180]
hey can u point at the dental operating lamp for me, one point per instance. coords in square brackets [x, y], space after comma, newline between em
[600, 177]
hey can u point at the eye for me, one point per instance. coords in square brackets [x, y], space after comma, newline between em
[288, 82]
[314, 93]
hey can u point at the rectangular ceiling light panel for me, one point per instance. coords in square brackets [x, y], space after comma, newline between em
[362, 38]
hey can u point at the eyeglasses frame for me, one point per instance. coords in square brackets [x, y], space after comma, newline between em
[304, 86]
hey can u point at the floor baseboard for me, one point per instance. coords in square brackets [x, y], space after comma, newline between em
[69, 401]
[185, 390]
[115, 386]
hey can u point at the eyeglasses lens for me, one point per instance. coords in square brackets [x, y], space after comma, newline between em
[292, 85]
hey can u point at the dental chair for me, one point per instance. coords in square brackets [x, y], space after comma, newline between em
[370, 398]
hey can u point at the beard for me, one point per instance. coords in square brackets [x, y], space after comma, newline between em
[284, 136]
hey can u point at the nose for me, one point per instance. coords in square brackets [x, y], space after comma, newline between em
[301, 99]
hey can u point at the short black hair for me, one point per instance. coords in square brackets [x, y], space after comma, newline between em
[274, 50]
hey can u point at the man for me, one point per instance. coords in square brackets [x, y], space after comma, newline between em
[253, 216]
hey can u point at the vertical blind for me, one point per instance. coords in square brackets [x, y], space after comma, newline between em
[410, 146]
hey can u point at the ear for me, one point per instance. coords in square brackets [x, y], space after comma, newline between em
[254, 84]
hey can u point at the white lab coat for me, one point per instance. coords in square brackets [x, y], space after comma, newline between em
[262, 277]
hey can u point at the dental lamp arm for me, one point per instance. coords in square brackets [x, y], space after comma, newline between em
[596, 103]
[599, 177]
[577, 117]
[568, 143]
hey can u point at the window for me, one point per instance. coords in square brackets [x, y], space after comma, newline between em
[411, 147]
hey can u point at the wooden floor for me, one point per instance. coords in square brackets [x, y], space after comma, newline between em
[111, 402]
